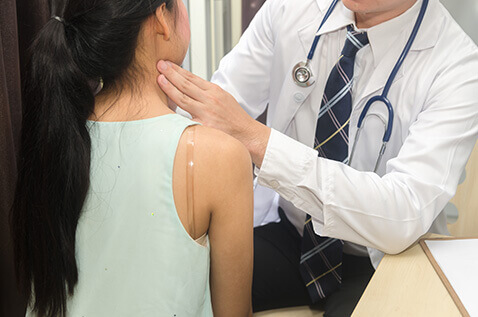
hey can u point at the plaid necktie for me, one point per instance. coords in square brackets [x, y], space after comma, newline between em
[321, 258]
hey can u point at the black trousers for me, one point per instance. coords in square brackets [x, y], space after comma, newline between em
[277, 282]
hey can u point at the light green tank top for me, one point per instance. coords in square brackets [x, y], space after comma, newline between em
[134, 256]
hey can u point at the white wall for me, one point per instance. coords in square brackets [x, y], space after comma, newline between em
[465, 13]
[215, 29]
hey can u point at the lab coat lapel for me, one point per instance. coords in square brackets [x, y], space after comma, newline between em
[293, 96]
[340, 17]
[307, 32]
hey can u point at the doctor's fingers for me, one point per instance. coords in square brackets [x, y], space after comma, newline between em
[196, 80]
[181, 99]
[181, 83]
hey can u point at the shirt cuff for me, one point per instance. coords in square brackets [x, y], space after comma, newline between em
[290, 167]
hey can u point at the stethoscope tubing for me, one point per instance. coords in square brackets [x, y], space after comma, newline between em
[317, 36]
[383, 98]
[406, 49]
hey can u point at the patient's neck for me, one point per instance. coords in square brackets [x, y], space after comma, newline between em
[134, 99]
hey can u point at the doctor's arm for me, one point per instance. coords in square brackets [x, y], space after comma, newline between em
[388, 213]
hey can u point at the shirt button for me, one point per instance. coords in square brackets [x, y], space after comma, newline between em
[299, 97]
[274, 184]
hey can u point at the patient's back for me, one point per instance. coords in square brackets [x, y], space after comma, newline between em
[134, 256]
[138, 253]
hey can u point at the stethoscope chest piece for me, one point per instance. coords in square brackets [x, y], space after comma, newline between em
[302, 74]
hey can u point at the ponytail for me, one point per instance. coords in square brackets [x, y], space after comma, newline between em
[54, 165]
[95, 39]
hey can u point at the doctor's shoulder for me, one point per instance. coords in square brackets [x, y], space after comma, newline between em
[446, 68]
[454, 48]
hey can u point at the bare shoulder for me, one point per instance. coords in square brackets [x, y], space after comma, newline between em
[218, 150]
[222, 165]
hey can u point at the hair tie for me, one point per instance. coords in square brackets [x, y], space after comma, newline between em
[101, 84]
[59, 19]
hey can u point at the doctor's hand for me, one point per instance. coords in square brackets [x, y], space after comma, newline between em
[213, 107]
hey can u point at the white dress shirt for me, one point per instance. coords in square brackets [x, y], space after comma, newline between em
[435, 125]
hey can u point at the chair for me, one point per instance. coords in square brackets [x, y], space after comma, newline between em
[466, 201]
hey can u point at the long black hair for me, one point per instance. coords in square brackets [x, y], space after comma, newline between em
[84, 41]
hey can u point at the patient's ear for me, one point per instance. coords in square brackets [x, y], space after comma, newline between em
[162, 23]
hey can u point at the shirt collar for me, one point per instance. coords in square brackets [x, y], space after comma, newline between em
[382, 36]
[340, 17]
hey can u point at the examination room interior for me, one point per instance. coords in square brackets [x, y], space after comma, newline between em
[216, 27]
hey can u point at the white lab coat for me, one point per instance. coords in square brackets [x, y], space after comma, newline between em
[435, 97]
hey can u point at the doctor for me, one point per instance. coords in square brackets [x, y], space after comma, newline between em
[304, 151]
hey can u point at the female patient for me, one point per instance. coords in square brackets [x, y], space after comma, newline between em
[100, 220]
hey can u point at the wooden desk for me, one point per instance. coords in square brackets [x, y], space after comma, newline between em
[406, 285]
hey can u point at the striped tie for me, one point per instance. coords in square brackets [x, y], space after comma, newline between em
[321, 257]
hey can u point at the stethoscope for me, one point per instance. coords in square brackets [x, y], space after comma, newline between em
[303, 77]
